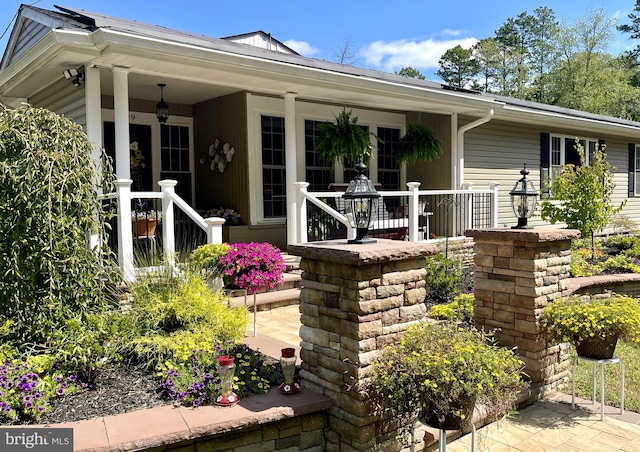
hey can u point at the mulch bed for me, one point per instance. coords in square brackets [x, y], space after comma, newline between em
[116, 391]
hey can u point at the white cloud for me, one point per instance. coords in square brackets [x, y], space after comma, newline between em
[451, 32]
[393, 56]
[302, 47]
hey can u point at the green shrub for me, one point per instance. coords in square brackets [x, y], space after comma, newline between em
[48, 204]
[443, 277]
[206, 259]
[461, 308]
[621, 242]
[170, 316]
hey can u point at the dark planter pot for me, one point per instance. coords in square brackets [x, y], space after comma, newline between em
[597, 348]
[450, 421]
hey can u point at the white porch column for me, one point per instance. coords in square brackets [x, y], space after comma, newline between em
[121, 114]
[92, 101]
[291, 166]
[93, 126]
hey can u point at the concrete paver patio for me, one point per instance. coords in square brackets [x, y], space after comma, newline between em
[549, 425]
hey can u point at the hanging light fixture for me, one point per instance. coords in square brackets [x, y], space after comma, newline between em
[361, 205]
[523, 199]
[162, 108]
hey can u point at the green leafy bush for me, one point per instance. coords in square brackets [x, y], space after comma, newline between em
[206, 259]
[443, 277]
[48, 204]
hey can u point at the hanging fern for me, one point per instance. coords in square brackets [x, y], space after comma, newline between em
[343, 140]
[419, 144]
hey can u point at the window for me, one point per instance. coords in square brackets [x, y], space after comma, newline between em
[174, 158]
[562, 151]
[274, 193]
[318, 173]
[388, 168]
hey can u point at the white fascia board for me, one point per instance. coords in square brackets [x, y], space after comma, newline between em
[558, 120]
[119, 41]
[45, 50]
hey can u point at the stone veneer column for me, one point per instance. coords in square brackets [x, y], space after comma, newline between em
[517, 273]
[354, 300]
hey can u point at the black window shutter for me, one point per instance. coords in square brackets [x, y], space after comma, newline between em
[632, 170]
[545, 151]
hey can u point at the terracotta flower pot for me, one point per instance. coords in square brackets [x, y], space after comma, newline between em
[144, 227]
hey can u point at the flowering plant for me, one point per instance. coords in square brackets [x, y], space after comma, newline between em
[136, 159]
[25, 393]
[230, 215]
[197, 382]
[436, 367]
[577, 319]
[253, 266]
[146, 215]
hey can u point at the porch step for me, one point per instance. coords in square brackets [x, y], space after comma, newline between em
[285, 294]
[269, 300]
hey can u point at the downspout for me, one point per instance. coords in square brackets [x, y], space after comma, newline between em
[459, 149]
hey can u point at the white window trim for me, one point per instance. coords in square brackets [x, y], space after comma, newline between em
[563, 153]
[258, 106]
[149, 119]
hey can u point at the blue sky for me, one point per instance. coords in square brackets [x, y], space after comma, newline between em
[386, 35]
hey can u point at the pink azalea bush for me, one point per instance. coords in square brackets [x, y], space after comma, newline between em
[253, 266]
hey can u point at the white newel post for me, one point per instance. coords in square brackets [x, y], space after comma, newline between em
[493, 186]
[214, 229]
[469, 213]
[414, 216]
[301, 201]
[125, 234]
[168, 189]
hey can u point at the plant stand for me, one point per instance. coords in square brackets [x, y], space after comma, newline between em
[601, 362]
[442, 442]
[232, 293]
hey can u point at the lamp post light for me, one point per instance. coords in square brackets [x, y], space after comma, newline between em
[361, 205]
[162, 108]
[523, 199]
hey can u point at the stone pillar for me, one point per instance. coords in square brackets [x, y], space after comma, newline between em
[355, 299]
[517, 273]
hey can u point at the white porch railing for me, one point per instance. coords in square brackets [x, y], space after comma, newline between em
[410, 213]
[170, 200]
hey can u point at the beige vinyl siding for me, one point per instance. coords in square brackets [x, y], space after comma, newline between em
[63, 98]
[496, 152]
[617, 156]
[30, 33]
[223, 118]
[434, 175]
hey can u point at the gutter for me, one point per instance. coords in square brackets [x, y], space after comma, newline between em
[458, 157]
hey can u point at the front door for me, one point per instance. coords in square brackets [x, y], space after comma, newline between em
[139, 153]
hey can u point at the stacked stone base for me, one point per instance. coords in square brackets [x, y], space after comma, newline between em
[517, 273]
[355, 299]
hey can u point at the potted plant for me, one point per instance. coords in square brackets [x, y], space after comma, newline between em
[255, 267]
[143, 223]
[419, 144]
[438, 373]
[593, 324]
[343, 141]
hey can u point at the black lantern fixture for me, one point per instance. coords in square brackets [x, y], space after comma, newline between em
[523, 199]
[361, 205]
[162, 108]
